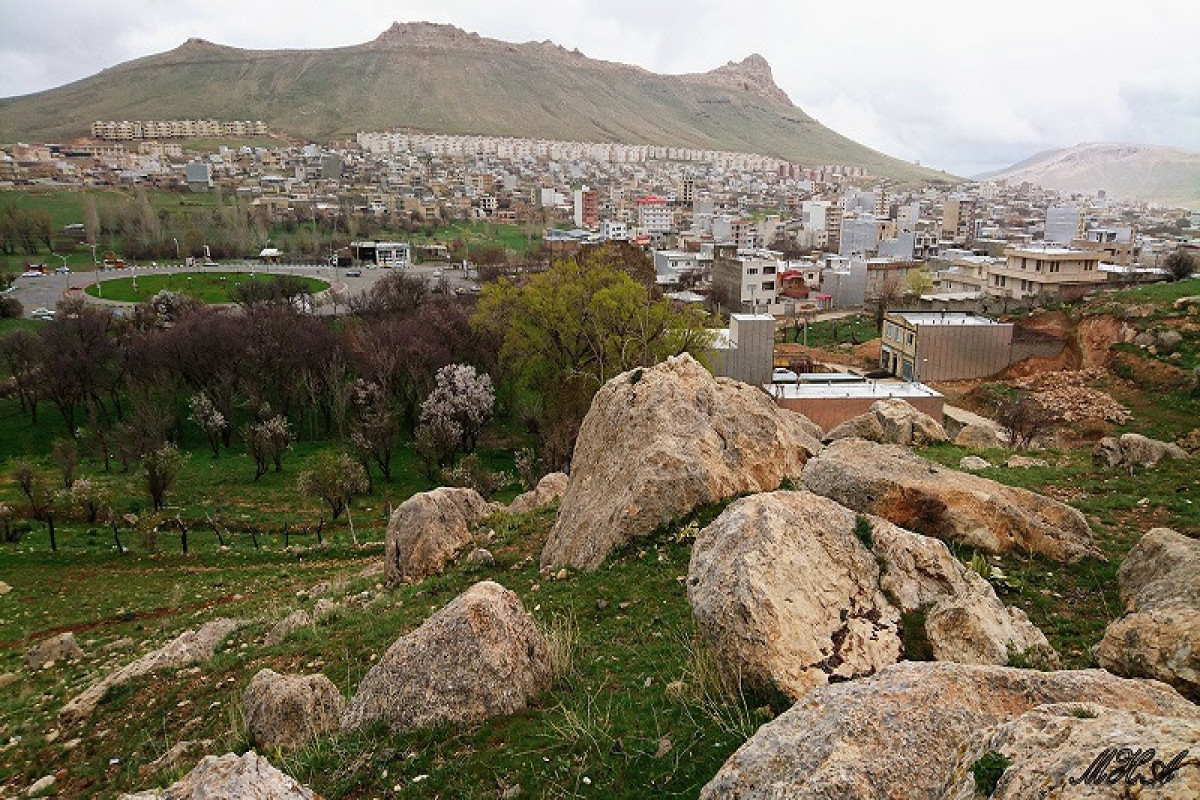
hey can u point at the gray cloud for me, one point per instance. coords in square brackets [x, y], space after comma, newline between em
[956, 86]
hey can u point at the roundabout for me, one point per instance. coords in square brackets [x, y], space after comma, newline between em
[207, 287]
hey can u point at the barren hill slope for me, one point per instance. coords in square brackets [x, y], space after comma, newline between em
[441, 79]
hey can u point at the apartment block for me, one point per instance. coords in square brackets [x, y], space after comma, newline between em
[944, 345]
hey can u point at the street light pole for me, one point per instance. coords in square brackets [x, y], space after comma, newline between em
[176, 241]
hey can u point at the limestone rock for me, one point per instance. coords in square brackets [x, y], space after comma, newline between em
[548, 490]
[480, 558]
[792, 593]
[892, 421]
[1160, 637]
[428, 529]
[1025, 462]
[290, 624]
[656, 443]
[972, 463]
[187, 648]
[228, 777]
[1168, 341]
[7, 678]
[481, 656]
[898, 733]
[978, 437]
[788, 597]
[903, 488]
[1051, 745]
[62, 647]
[287, 711]
[4, 588]
[323, 609]
[1134, 450]
[176, 754]
[41, 786]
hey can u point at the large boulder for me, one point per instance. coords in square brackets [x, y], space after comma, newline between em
[891, 421]
[659, 442]
[288, 711]
[481, 656]
[428, 529]
[230, 777]
[62, 647]
[1134, 450]
[187, 648]
[793, 591]
[978, 437]
[898, 733]
[915, 493]
[548, 490]
[1053, 751]
[1160, 637]
[297, 620]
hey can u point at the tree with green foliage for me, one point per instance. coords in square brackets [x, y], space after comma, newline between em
[161, 466]
[1180, 265]
[570, 329]
[334, 478]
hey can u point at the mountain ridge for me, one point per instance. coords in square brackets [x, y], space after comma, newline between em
[442, 79]
[1150, 173]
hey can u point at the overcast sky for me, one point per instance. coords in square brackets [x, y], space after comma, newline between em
[963, 86]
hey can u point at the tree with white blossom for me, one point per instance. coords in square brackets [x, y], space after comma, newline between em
[461, 397]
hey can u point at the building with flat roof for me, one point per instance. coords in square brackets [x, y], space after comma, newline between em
[1045, 273]
[745, 351]
[832, 403]
[944, 345]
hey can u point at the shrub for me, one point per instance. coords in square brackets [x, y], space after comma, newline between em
[334, 478]
[987, 770]
[862, 529]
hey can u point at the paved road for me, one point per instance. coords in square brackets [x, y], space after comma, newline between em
[46, 290]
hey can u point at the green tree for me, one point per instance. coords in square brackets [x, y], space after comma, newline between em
[334, 478]
[1180, 264]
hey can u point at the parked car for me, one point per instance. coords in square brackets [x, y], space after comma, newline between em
[354, 273]
[31, 273]
[63, 270]
[42, 313]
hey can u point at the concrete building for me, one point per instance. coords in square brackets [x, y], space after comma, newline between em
[745, 350]
[747, 279]
[586, 206]
[831, 403]
[611, 231]
[859, 236]
[1064, 224]
[959, 219]
[654, 215]
[944, 346]
[384, 254]
[673, 268]
[1045, 273]
[198, 175]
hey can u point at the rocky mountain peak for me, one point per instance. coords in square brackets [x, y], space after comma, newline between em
[751, 74]
[422, 33]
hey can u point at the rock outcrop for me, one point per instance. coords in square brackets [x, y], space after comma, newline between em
[898, 733]
[293, 622]
[658, 442]
[548, 490]
[1134, 450]
[230, 777]
[288, 711]
[62, 647]
[187, 648]
[978, 437]
[1160, 636]
[1053, 747]
[793, 590]
[973, 463]
[429, 529]
[481, 656]
[892, 482]
[891, 421]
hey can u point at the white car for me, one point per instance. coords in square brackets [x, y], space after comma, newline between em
[63, 270]
[42, 313]
[32, 273]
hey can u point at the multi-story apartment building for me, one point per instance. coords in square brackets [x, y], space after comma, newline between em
[1045, 272]
[654, 214]
[586, 208]
[747, 279]
[944, 345]
[959, 217]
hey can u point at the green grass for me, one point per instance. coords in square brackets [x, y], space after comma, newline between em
[209, 287]
[858, 329]
[510, 237]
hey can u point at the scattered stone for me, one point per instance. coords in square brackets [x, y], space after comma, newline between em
[481, 656]
[175, 755]
[250, 777]
[561, 575]
[428, 529]
[7, 678]
[372, 570]
[664, 747]
[323, 609]
[511, 792]
[187, 648]
[978, 437]
[1144, 339]
[906, 726]
[1134, 450]
[972, 463]
[62, 647]
[4, 588]
[1160, 636]
[549, 489]
[1053, 745]
[288, 711]
[124, 643]
[658, 442]
[1168, 341]
[792, 592]
[910, 491]
[290, 624]
[41, 786]
[1025, 462]
[480, 558]
[600, 605]
[891, 421]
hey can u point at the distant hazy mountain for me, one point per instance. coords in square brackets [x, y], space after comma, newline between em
[438, 78]
[1163, 175]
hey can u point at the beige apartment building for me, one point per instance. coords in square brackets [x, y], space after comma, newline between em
[1045, 272]
[944, 345]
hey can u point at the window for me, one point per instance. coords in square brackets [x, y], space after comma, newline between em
[768, 270]
[752, 270]
[768, 286]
